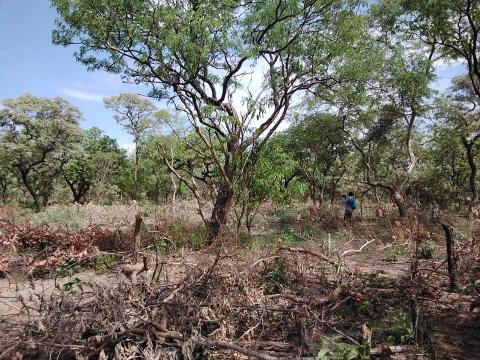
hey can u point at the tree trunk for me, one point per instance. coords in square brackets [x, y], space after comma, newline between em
[451, 261]
[221, 208]
[313, 193]
[400, 202]
[473, 174]
[136, 236]
[33, 194]
[135, 171]
[174, 186]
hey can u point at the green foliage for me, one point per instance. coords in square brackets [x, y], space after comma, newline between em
[399, 327]
[103, 263]
[290, 236]
[394, 254]
[366, 309]
[67, 267]
[196, 240]
[342, 351]
[427, 250]
[69, 286]
[37, 135]
[276, 277]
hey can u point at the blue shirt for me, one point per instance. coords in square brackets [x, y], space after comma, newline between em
[347, 203]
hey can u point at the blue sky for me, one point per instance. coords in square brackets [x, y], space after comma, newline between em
[29, 62]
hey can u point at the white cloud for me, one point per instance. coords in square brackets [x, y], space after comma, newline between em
[130, 148]
[82, 95]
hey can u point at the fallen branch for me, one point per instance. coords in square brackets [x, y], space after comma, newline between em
[352, 251]
[309, 252]
[237, 348]
[385, 349]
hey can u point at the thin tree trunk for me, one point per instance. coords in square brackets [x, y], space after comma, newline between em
[400, 202]
[136, 236]
[451, 261]
[221, 208]
[32, 193]
[135, 171]
[473, 174]
[313, 193]
[174, 186]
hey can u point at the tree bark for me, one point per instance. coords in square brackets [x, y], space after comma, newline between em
[221, 208]
[451, 261]
[400, 203]
[33, 194]
[473, 174]
[136, 236]
[313, 194]
[135, 170]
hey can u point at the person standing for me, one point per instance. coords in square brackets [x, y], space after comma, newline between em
[349, 204]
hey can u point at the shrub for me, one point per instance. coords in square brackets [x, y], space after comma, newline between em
[103, 263]
[394, 254]
[427, 251]
[276, 277]
[399, 327]
[67, 267]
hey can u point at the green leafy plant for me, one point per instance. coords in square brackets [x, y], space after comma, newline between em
[277, 277]
[290, 236]
[69, 285]
[427, 251]
[103, 263]
[67, 267]
[342, 351]
[394, 254]
[366, 309]
[399, 327]
[196, 240]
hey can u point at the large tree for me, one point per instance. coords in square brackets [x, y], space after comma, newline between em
[319, 146]
[451, 27]
[37, 132]
[232, 67]
[460, 112]
[112, 169]
[135, 115]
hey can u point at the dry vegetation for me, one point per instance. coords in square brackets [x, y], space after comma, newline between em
[300, 287]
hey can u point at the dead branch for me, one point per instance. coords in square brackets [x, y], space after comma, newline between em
[352, 251]
[309, 252]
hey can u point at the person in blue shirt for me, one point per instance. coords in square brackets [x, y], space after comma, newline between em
[349, 205]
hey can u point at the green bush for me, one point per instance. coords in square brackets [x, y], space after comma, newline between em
[103, 263]
[196, 240]
[394, 254]
[342, 351]
[67, 267]
[276, 277]
[399, 327]
[290, 236]
[427, 251]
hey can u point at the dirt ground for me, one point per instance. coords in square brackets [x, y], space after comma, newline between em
[450, 327]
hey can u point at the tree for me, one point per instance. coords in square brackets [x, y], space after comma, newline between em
[460, 112]
[202, 57]
[36, 133]
[319, 146]
[158, 179]
[79, 174]
[269, 179]
[445, 171]
[451, 27]
[135, 115]
[111, 166]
